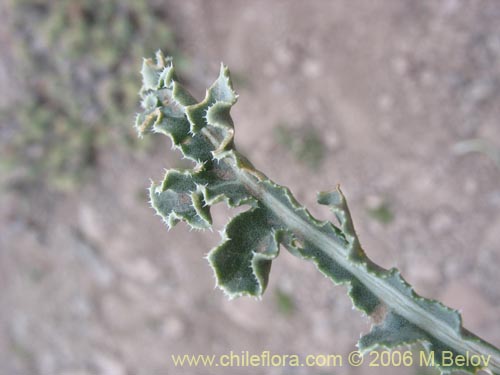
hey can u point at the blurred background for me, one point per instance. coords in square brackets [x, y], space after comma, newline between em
[398, 101]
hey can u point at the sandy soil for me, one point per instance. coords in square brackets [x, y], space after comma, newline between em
[92, 283]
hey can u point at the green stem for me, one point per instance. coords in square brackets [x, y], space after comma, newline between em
[403, 305]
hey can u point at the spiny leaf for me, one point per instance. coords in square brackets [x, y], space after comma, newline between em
[180, 198]
[338, 205]
[243, 261]
[204, 132]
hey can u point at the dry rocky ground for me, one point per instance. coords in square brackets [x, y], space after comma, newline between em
[92, 283]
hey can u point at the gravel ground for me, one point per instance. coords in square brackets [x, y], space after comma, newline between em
[92, 283]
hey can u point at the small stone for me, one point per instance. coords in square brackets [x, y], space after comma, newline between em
[108, 365]
[470, 186]
[91, 222]
[283, 56]
[311, 68]
[374, 201]
[399, 65]
[385, 102]
[141, 270]
[427, 78]
[173, 327]
[423, 271]
[331, 140]
[440, 222]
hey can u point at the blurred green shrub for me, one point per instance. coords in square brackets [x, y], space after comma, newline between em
[79, 63]
[285, 302]
[304, 143]
[382, 213]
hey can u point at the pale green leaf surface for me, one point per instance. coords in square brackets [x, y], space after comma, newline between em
[204, 132]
